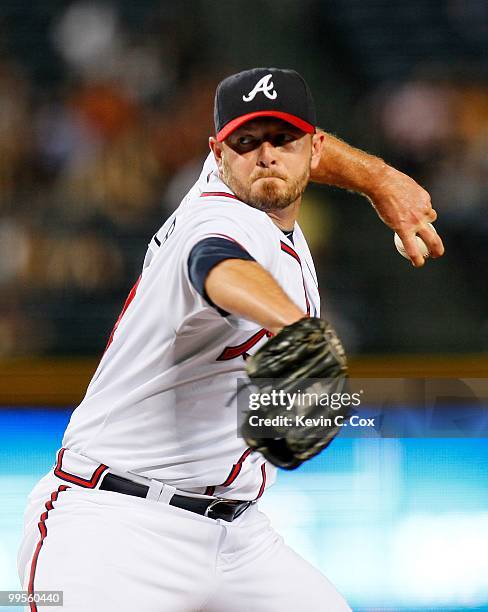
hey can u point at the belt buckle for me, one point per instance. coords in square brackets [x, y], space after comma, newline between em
[228, 503]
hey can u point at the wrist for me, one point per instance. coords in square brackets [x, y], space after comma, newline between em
[286, 320]
[377, 176]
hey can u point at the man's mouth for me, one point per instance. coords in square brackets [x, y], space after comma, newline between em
[271, 176]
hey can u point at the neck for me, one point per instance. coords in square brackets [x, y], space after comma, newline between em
[286, 217]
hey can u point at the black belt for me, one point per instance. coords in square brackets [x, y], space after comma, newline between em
[226, 509]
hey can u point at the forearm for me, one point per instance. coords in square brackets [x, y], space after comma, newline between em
[246, 289]
[350, 168]
[402, 204]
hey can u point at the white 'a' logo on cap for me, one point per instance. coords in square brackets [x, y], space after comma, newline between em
[265, 86]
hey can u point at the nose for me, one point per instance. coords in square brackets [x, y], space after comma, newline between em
[266, 155]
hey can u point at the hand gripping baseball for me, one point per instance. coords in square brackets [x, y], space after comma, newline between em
[305, 361]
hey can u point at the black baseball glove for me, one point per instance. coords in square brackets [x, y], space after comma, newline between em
[306, 357]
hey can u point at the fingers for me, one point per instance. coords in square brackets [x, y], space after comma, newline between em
[412, 248]
[424, 210]
[406, 208]
[425, 231]
[428, 234]
[432, 240]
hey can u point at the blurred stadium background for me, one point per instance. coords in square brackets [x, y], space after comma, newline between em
[105, 110]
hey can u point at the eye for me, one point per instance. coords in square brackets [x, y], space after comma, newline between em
[283, 138]
[245, 140]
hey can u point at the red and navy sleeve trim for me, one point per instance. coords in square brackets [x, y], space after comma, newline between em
[205, 255]
[88, 483]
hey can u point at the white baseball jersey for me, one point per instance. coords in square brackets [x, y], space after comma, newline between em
[162, 401]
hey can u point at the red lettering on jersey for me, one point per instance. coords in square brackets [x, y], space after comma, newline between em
[129, 299]
[241, 350]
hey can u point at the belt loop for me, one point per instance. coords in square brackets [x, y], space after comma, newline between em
[155, 488]
[167, 493]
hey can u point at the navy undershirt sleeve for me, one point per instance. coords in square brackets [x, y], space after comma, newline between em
[205, 255]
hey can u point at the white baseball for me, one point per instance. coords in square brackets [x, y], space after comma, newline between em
[422, 246]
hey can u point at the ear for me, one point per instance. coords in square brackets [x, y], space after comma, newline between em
[318, 140]
[216, 148]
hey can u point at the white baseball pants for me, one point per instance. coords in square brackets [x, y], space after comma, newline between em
[110, 552]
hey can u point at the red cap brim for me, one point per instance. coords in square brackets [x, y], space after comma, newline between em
[238, 121]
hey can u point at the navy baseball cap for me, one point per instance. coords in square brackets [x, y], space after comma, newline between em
[263, 92]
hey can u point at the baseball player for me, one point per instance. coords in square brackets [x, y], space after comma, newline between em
[152, 501]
